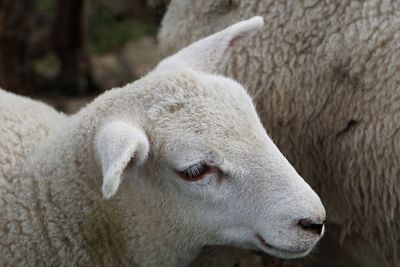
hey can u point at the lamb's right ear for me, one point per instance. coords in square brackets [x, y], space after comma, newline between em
[117, 144]
[208, 54]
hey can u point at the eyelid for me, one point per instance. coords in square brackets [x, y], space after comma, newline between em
[197, 167]
[197, 171]
[197, 163]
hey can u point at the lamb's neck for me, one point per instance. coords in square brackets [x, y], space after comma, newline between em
[131, 232]
[153, 234]
[107, 232]
[117, 231]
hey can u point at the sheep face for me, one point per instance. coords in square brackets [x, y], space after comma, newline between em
[211, 166]
[212, 160]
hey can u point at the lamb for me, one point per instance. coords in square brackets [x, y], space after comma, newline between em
[324, 76]
[148, 174]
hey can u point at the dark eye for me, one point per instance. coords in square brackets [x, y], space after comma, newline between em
[195, 172]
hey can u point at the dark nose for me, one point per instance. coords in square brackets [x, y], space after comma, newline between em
[311, 226]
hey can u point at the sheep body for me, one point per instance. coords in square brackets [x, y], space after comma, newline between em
[24, 123]
[324, 76]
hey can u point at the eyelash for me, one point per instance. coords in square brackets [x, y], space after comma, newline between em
[195, 172]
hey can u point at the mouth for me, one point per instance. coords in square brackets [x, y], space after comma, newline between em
[278, 252]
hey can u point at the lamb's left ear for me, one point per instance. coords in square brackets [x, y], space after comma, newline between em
[117, 144]
[208, 54]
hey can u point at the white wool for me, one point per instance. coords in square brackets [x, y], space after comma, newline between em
[24, 123]
[108, 186]
[325, 79]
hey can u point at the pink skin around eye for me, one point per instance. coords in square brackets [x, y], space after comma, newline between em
[198, 178]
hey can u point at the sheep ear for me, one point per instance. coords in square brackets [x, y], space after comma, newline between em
[117, 144]
[208, 54]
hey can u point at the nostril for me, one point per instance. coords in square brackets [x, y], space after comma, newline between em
[311, 226]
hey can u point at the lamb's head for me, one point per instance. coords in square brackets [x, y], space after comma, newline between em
[206, 159]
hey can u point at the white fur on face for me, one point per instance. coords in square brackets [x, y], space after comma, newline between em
[257, 192]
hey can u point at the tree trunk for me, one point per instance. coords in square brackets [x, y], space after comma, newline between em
[15, 65]
[75, 76]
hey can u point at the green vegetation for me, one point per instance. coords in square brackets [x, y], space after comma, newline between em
[46, 6]
[47, 66]
[106, 30]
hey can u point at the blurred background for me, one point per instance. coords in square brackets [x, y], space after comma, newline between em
[65, 52]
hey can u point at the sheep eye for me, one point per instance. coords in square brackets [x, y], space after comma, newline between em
[195, 172]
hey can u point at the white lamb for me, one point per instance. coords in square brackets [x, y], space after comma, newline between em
[325, 79]
[181, 159]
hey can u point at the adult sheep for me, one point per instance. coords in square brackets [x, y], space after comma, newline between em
[325, 79]
[182, 161]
